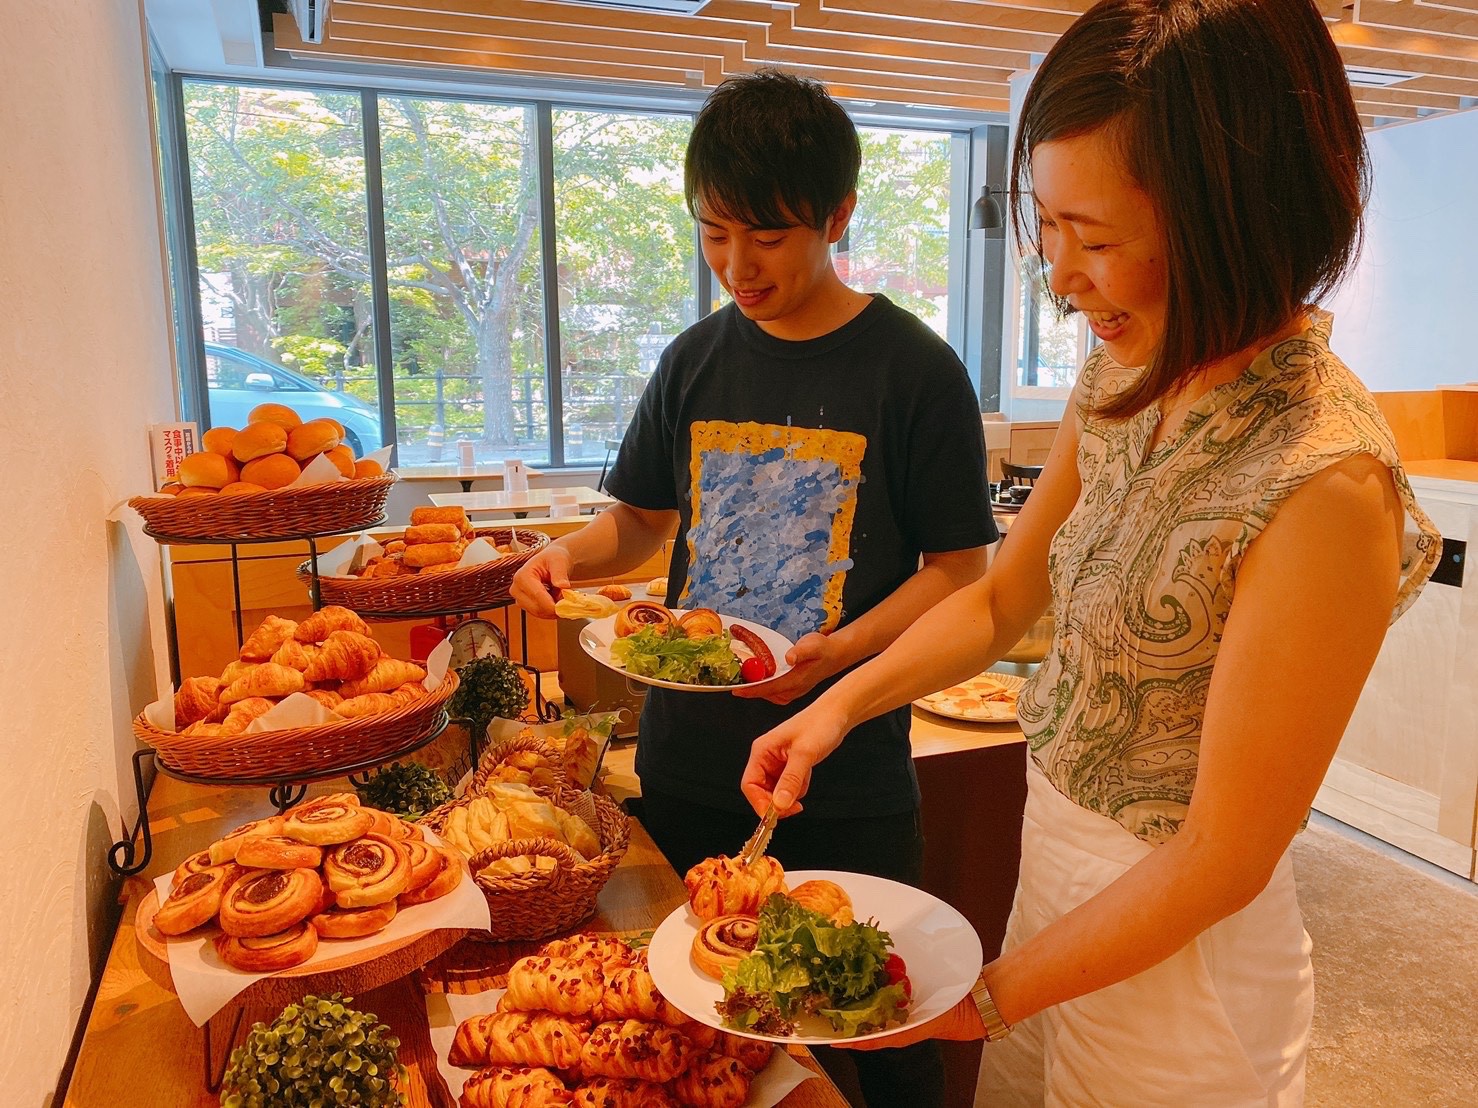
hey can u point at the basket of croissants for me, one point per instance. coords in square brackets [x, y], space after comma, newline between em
[242, 484]
[581, 1023]
[379, 704]
[419, 570]
[539, 849]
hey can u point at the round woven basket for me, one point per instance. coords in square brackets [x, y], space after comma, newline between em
[263, 516]
[312, 752]
[455, 590]
[495, 756]
[529, 906]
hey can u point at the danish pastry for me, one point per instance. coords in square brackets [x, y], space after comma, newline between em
[327, 822]
[611, 954]
[635, 1048]
[519, 1039]
[514, 1087]
[193, 864]
[278, 852]
[446, 879]
[752, 1053]
[292, 946]
[641, 614]
[196, 899]
[541, 983]
[370, 870]
[353, 923]
[264, 902]
[616, 1092]
[722, 943]
[632, 994]
[713, 1081]
[723, 887]
[224, 849]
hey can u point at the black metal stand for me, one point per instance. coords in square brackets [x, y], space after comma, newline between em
[284, 790]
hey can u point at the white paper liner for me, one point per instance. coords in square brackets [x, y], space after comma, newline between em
[344, 559]
[205, 984]
[299, 709]
[322, 469]
[444, 1011]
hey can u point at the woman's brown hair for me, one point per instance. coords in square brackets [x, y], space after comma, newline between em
[1235, 117]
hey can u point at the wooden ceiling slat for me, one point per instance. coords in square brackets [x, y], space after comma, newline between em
[946, 53]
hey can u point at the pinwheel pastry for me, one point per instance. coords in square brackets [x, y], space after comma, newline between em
[265, 902]
[723, 887]
[370, 870]
[447, 877]
[641, 614]
[353, 923]
[713, 1081]
[541, 983]
[196, 899]
[290, 947]
[700, 623]
[722, 943]
[519, 1039]
[515, 1087]
[278, 852]
[327, 822]
[637, 1049]
[224, 849]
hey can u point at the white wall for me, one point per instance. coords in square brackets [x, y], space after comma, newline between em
[1404, 320]
[84, 366]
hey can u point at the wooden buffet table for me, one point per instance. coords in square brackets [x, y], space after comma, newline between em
[534, 502]
[139, 1050]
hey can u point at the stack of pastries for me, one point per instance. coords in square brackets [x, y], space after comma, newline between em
[331, 656]
[506, 811]
[328, 868]
[582, 1024]
[433, 543]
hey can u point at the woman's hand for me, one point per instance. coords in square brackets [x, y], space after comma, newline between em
[540, 580]
[961, 1023]
[813, 659]
[780, 761]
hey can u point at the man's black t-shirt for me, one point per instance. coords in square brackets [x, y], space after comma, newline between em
[808, 476]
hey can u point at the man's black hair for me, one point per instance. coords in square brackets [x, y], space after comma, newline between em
[769, 150]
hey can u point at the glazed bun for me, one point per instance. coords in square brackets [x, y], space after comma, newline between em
[368, 467]
[257, 440]
[342, 457]
[313, 437]
[207, 470]
[240, 488]
[279, 414]
[334, 423]
[271, 471]
[218, 440]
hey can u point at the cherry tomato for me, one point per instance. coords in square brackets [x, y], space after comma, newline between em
[897, 971]
[752, 670]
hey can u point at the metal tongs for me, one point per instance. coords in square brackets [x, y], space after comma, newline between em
[755, 847]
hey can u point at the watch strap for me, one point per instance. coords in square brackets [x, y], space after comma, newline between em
[996, 1028]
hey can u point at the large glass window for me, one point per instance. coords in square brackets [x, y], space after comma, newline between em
[627, 264]
[283, 265]
[1051, 345]
[462, 244]
[898, 241]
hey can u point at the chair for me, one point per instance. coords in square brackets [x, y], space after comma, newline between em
[1019, 475]
[612, 445]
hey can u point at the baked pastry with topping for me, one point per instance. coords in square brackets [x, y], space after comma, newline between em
[370, 870]
[724, 942]
[722, 886]
[264, 902]
[282, 950]
[196, 899]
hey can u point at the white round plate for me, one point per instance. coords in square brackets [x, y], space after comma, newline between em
[937, 944]
[963, 701]
[597, 635]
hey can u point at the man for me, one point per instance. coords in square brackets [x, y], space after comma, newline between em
[820, 453]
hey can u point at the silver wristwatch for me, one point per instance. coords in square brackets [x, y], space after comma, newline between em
[995, 1027]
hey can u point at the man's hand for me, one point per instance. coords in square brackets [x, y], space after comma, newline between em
[540, 580]
[780, 761]
[961, 1023]
[813, 659]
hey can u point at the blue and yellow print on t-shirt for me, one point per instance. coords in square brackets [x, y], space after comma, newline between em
[771, 530]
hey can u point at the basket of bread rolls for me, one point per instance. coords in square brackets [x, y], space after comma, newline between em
[379, 704]
[419, 569]
[539, 849]
[242, 484]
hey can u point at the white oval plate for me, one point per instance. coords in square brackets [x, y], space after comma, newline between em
[597, 635]
[937, 944]
[960, 702]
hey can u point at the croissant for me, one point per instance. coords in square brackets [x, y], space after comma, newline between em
[826, 897]
[268, 679]
[632, 994]
[236, 670]
[713, 1081]
[344, 656]
[514, 1087]
[635, 1048]
[554, 985]
[387, 674]
[243, 712]
[519, 1039]
[324, 622]
[296, 655]
[327, 697]
[411, 690]
[196, 700]
[641, 614]
[611, 954]
[722, 887]
[370, 704]
[700, 623]
[264, 641]
[615, 1092]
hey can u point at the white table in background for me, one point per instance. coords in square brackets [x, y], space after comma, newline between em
[519, 505]
[450, 471]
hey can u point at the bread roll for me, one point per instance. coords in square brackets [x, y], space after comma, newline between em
[432, 532]
[279, 414]
[207, 470]
[313, 437]
[342, 457]
[241, 488]
[256, 440]
[198, 490]
[368, 467]
[432, 553]
[218, 440]
[271, 471]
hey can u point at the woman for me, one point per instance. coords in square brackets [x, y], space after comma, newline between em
[1223, 531]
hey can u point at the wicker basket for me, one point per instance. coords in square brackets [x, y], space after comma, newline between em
[290, 513]
[494, 756]
[305, 753]
[529, 906]
[455, 590]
